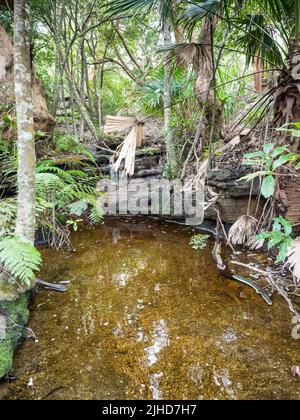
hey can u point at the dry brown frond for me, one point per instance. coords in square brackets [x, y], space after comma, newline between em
[132, 141]
[293, 259]
[242, 230]
[119, 123]
[187, 54]
[255, 243]
[128, 148]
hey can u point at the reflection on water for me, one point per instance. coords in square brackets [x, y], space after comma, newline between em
[160, 340]
[146, 316]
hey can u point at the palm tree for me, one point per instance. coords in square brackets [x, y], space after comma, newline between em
[287, 98]
[165, 7]
[269, 33]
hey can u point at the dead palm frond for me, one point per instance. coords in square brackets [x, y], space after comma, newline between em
[242, 230]
[118, 123]
[255, 243]
[133, 140]
[186, 54]
[293, 259]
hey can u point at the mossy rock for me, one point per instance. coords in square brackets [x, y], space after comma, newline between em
[14, 315]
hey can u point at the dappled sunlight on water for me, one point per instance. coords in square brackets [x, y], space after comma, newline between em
[147, 316]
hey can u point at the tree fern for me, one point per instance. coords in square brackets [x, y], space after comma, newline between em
[20, 259]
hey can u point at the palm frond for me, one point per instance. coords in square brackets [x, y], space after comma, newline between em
[243, 230]
[255, 243]
[128, 148]
[186, 54]
[117, 124]
[258, 39]
[119, 7]
[194, 13]
[132, 141]
[293, 259]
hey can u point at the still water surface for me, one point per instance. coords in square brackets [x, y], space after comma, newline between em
[148, 317]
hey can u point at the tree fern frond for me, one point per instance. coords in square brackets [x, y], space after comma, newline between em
[19, 258]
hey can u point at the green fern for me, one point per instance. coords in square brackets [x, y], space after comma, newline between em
[67, 143]
[20, 259]
[78, 207]
[59, 193]
[96, 214]
[8, 212]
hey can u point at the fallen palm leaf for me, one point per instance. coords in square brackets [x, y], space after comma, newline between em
[255, 243]
[293, 259]
[243, 230]
[133, 140]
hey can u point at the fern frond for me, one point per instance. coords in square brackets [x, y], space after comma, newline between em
[78, 207]
[8, 212]
[19, 258]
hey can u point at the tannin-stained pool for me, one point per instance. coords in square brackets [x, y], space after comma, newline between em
[148, 317]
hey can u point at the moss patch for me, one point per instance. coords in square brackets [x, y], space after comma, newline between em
[16, 315]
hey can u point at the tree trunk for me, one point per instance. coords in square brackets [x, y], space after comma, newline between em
[43, 121]
[25, 224]
[258, 75]
[203, 82]
[287, 110]
[171, 170]
[25, 227]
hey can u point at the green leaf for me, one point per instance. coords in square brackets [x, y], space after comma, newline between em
[281, 161]
[279, 150]
[268, 147]
[254, 175]
[277, 225]
[255, 162]
[268, 186]
[287, 226]
[277, 237]
[259, 154]
[283, 251]
[264, 235]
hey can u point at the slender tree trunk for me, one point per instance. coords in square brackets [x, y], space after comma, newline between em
[170, 149]
[258, 75]
[25, 226]
[203, 82]
[297, 17]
